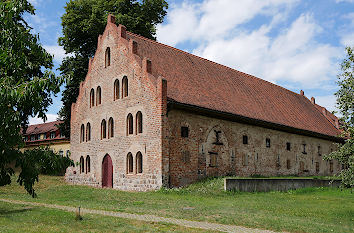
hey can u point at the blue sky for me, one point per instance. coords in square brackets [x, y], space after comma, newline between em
[296, 44]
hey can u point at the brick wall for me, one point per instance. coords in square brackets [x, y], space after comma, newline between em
[145, 93]
[236, 158]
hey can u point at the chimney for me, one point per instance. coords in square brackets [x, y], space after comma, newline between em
[302, 93]
[313, 100]
[122, 31]
[111, 19]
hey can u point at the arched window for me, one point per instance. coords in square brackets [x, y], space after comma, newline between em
[92, 98]
[82, 133]
[88, 131]
[103, 129]
[110, 128]
[129, 124]
[124, 87]
[98, 96]
[139, 122]
[129, 163]
[116, 89]
[139, 162]
[88, 164]
[108, 57]
[68, 153]
[82, 164]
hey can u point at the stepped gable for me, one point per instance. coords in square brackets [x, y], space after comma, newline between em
[197, 81]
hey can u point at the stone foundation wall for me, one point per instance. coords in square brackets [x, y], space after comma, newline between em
[266, 185]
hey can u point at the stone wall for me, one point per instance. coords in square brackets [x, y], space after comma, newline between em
[190, 157]
[266, 185]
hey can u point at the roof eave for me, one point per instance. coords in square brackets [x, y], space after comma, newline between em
[172, 104]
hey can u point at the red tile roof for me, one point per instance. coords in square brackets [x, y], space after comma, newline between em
[43, 128]
[197, 81]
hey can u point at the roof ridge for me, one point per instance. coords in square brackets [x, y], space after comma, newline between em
[44, 123]
[202, 58]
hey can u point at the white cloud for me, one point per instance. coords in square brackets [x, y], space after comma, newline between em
[57, 51]
[293, 55]
[347, 39]
[347, 32]
[290, 53]
[36, 120]
[211, 19]
[329, 102]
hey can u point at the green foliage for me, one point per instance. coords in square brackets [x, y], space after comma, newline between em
[83, 22]
[51, 163]
[25, 87]
[345, 103]
[41, 160]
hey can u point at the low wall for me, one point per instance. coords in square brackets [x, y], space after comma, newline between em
[268, 184]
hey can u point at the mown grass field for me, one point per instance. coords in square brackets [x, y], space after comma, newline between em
[305, 210]
[21, 218]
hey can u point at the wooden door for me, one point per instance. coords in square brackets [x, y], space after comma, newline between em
[107, 172]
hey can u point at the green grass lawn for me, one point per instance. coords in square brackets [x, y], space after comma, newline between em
[20, 218]
[304, 210]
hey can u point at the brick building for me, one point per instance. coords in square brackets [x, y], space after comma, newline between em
[149, 115]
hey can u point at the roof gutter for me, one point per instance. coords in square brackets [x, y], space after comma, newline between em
[172, 104]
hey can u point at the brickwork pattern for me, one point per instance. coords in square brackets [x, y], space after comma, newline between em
[236, 158]
[143, 95]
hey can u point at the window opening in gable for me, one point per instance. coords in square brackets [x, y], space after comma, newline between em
[184, 132]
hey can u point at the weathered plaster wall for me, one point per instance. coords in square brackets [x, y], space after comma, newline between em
[236, 158]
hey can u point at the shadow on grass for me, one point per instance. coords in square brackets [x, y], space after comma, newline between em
[6, 212]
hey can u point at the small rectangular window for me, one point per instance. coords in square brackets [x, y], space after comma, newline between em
[288, 165]
[213, 159]
[268, 142]
[45, 136]
[52, 134]
[304, 147]
[33, 137]
[288, 146]
[319, 151]
[186, 156]
[245, 139]
[317, 167]
[245, 160]
[184, 132]
[277, 164]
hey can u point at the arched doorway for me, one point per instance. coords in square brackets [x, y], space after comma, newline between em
[107, 171]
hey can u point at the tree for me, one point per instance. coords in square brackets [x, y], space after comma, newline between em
[83, 22]
[26, 86]
[345, 103]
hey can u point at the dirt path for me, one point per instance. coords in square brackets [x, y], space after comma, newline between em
[146, 217]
